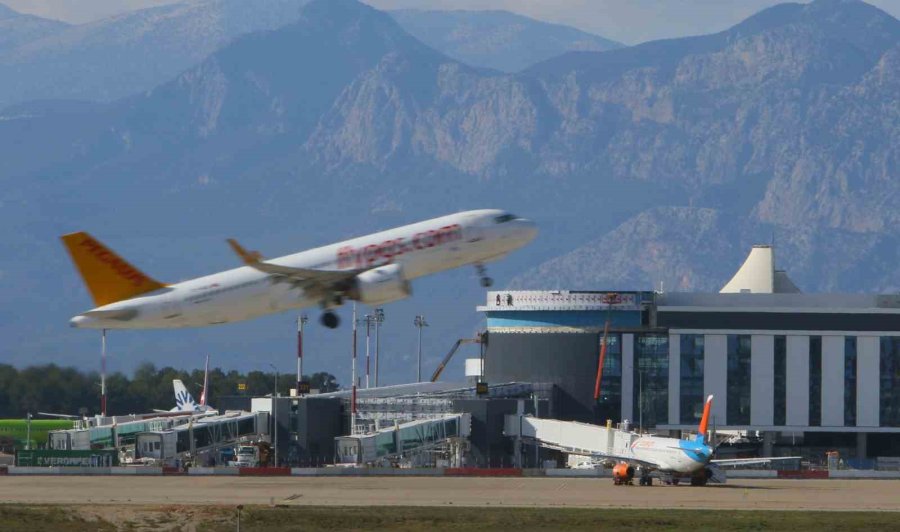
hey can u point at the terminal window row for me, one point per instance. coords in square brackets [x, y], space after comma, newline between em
[651, 380]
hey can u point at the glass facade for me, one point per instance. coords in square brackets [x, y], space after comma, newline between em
[849, 381]
[890, 381]
[780, 384]
[609, 405]
[691, 378]
[815, 381]
[651, 379]
[738, 404]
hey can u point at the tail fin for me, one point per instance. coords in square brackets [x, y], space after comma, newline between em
[704, 421]
[203, 394]
[184, 401]
[108, 277]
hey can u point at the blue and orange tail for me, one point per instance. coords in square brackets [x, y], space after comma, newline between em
[704, 421]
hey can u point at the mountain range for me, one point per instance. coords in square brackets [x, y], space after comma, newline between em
[17, 28]
[658, 163]
[499, 40]
[136, 51]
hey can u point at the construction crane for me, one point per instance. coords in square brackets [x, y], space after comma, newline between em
[437, 373]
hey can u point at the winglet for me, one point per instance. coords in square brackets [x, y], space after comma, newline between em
[249, 257]
[704, 421]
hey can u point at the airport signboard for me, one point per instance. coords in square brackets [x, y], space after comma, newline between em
[562, 300]
[67, 458]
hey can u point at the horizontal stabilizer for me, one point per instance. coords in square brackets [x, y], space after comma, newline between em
[123, 314]
[752, 461]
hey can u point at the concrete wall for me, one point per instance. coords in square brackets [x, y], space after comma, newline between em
[832, 381]
[762, 379]
[568, 360]
[797, 408]
[868, 387]
[715, 375]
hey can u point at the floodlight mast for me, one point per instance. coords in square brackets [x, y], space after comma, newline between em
[301, 321]
[379, 319]
[419, 322]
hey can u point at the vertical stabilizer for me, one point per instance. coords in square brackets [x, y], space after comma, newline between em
[184, 401]
[203, 394]
[704, 421]
[108, 277]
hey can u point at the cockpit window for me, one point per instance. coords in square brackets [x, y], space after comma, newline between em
[504, 218]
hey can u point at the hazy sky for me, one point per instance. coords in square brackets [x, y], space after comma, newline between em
[628, 21]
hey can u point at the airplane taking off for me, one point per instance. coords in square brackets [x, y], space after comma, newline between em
[675, 458]
[373, 269]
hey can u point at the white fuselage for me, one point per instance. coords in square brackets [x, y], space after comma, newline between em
[671, 455]
[423, 248]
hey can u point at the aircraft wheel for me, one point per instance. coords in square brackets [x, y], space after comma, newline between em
[330, 319]
[674, 481]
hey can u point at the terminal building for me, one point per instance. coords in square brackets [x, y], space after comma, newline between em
[817, 372]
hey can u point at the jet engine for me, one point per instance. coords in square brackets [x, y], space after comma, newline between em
[623, 473]
[380, 285]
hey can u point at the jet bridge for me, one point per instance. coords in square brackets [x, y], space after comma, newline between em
[413, 442]
[201, 436]
[568, 436]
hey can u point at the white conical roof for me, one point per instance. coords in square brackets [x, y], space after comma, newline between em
[756, 275]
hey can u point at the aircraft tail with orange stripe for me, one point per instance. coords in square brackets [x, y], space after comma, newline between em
[704, 421]
[109, 277]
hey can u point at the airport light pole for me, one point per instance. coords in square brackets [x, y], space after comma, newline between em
[28, 433]
[353, 378]
[103, 373]
[379, 318]
[419, 322]
[301, 321]
[368, 319]
[275, 412]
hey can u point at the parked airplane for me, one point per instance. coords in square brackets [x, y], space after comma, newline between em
[184, 401]
[674, 459]
[373, 269]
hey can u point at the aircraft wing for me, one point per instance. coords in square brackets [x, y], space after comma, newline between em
[254, 260]
[627, 458]
[63, 416]
[751, 461]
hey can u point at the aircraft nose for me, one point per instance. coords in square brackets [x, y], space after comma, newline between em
[528, 229]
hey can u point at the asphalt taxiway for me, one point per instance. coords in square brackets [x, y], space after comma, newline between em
[869, 495]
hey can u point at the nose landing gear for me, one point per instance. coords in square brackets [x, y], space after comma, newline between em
[486, 281]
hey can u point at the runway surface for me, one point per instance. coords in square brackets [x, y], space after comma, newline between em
[878, 495]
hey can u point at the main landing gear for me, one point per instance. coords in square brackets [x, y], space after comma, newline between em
[330, 319]
[486, 281]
